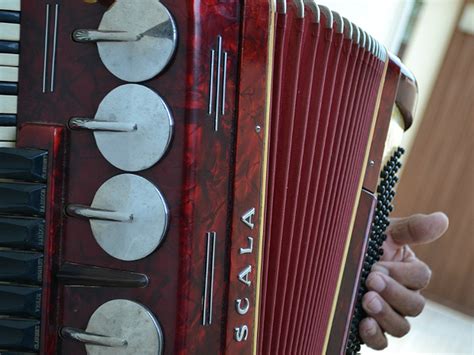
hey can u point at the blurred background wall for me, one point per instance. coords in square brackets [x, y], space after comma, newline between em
[435, 38]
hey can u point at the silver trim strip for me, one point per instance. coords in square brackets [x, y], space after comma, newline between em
[224, 83]
[218, 84]
[55, 44]
[208, 297]
[211, 81]
[206, 279]
[213, 269]
[45, 58]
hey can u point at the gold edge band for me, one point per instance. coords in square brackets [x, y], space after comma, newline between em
[354, 209]
[266, 129]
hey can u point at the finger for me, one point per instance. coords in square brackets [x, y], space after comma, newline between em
[371, 334]
[406, 302]
[389, 320]
[418, 228]
[415, 274]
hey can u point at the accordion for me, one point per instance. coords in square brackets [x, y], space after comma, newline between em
[192, 177]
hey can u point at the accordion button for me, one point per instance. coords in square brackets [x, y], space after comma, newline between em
[133, 127]
[120, 327]
[136, 39]
[128, 217]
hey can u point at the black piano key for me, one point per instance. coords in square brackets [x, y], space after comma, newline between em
[22, 198]
[21, 267]
[7, 119]
[9, 47]
[23, 164]
[22, 233]
[7, 88]
[20, 301]
[9, 16]
[19, 334]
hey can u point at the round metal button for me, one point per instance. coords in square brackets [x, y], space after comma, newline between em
[156, 39]
[142, 147]
[129, 321]
[142, 234]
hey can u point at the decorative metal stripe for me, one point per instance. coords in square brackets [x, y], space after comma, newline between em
[55, 44]
[213, 269]
[218, 79]
[211, 81]
[218, 84]
[224, 84]
[208, 297]
[45, 58]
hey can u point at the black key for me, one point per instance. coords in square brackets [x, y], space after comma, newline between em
[22, 198]
[22, 233]
[7, 119]
[9, 47]
[23, 164]
[21, 267]
[9, 16]
[20, 301]
[7, 88]
[19, 334]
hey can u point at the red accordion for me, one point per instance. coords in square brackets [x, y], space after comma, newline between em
[193, 177]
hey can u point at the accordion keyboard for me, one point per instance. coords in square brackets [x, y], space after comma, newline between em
[9, 59]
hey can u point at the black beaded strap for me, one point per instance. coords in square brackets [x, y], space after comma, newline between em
[385, 195]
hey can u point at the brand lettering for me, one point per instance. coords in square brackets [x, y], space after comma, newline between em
[242, 305]
[238, 306]
[248, 250]
[241, 333]
[247, 218]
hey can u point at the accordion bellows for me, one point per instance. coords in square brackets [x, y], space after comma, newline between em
[325, 86]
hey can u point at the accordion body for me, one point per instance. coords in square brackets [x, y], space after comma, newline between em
[238, 223]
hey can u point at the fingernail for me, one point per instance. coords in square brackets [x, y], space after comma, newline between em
[376, 283]
[374, 306]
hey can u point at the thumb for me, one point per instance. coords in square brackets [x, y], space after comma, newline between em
[418, 228]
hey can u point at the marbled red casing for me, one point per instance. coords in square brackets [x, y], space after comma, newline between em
[197, 176]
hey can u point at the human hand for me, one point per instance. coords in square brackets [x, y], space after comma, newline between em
[396, 280]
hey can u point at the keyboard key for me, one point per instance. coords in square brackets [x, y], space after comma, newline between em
[22, 199]
[21, 267]
[23, 164]
[22, 233]
[20, 301]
